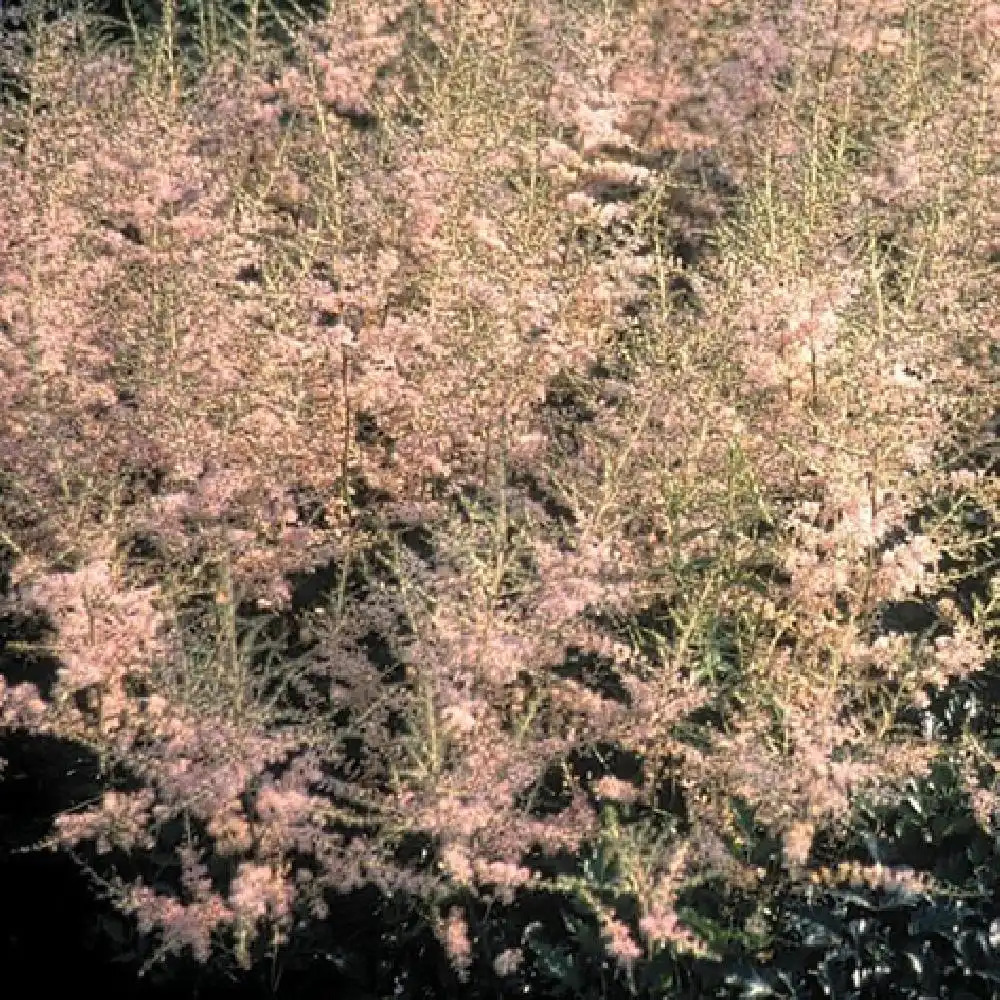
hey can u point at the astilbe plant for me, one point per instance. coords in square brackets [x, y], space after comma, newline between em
[218, 307]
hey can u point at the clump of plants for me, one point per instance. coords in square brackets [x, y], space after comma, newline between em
[524, 480]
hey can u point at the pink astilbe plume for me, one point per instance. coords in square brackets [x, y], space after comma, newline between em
[184, 926]
[455, 937]
[22, 707]
[620, 942]
[107, 636]
[259, 891]
[119, 821]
